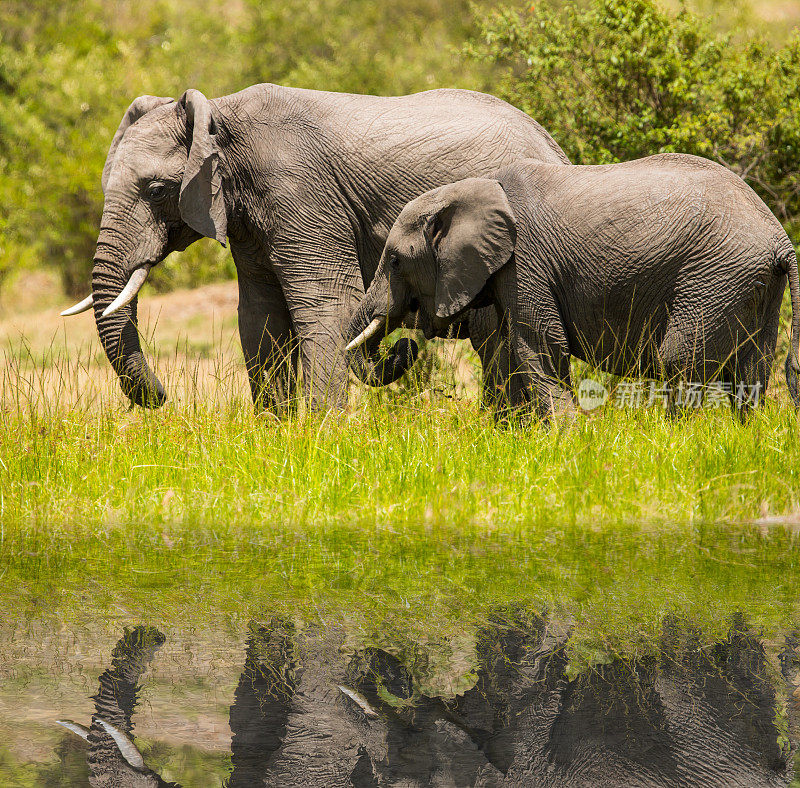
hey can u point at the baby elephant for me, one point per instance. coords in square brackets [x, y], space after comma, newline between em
[668, 267]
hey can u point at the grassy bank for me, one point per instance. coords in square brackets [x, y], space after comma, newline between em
[407, 514]
[407, 460]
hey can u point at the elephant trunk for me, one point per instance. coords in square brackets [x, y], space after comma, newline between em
[118, 332]
[365, 359]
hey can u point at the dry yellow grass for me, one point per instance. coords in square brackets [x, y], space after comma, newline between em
[190, 337]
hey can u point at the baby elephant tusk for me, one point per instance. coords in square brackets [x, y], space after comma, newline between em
[81, 306]
[368, 332]
[129, 291]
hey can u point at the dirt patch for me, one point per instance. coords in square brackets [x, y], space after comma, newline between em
[169, 313]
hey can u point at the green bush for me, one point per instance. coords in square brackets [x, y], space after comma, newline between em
[69, 70]
[620, 79]
[361, 46]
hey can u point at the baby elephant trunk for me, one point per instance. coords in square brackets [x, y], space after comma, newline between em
[363, 350]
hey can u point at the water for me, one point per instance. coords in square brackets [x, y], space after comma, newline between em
[551, 657]
[287, 703]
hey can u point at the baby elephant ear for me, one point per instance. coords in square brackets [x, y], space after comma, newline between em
[472, 235]
[138, 107]
[201, 201]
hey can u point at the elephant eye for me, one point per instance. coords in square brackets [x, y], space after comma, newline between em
[394, 263]
[156, 190]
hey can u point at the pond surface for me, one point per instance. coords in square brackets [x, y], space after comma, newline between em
[291, 704]
[548, 657]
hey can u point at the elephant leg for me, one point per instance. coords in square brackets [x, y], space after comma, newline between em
[261, 702]
[751, 376]
[321, 282]
[748, 381]
[268, 343]
[325, 372]
[493, 349]
[542, 362]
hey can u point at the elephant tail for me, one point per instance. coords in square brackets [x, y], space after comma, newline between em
[789, 263]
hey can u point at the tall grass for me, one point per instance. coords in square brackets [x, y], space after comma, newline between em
[409, 513]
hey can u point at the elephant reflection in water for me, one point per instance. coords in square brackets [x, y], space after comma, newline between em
[691, 715]
[113, 758]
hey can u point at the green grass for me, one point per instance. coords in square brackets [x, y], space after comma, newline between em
[406, 462]
[408, 515]
[405, 520]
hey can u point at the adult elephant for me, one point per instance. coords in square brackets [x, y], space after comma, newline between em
[305, 185]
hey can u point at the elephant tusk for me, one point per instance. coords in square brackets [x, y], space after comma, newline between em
[78, 730]
[124, 743]
[368, 332]
[129, 292]
[359, 701]
[81, 306]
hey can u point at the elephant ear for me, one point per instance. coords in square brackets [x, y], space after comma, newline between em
[139, 107]
[472, 235]
[201, 201]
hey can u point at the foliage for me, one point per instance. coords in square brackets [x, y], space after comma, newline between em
[69, 70]
[361, 46]
[621, 79]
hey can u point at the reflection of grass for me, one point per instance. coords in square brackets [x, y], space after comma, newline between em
[404, 587]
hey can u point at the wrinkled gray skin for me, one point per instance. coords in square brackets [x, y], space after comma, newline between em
[667, 267]
[692, 714]
[305, 186]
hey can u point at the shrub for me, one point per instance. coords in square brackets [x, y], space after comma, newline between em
[621, 79]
